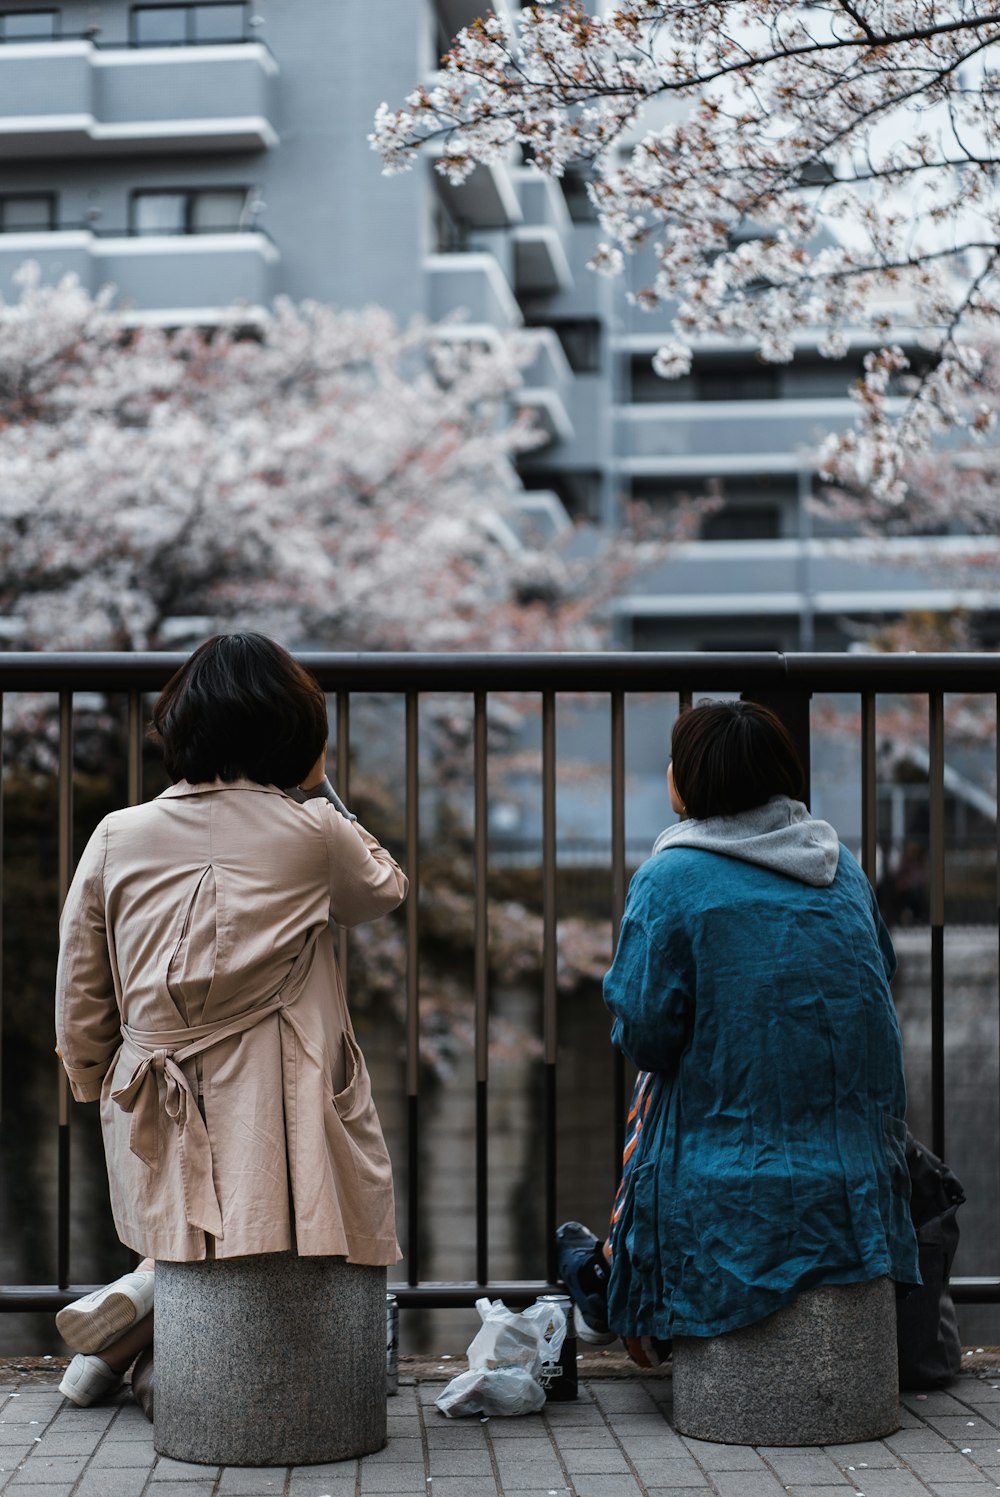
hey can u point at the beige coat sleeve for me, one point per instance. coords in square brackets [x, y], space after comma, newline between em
[88, 1024]
[365, 879]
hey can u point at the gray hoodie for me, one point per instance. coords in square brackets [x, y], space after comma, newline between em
[780, 835]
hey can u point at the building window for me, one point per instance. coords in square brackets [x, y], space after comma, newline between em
[27, 213]
[744, 522]
[574, 186]
[756, 383]
[28, 25]
[581, 341]
[188, 25]
[189, 211]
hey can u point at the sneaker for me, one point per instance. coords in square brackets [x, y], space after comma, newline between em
[88, 1380]
[584, 1270]
[95, 1321]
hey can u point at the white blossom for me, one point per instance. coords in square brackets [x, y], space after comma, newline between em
[852, 148]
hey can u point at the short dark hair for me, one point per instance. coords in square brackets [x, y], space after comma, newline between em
[240, 708]
[730, 756]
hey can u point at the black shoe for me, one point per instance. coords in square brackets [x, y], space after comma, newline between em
[583, 1268]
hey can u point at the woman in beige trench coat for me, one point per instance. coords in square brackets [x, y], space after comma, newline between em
[198, 997]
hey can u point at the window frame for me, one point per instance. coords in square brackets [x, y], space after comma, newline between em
[190, 195]
[51, 199]
[54, 11]
[188, 8]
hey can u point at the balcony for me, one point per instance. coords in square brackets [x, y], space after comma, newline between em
[162, 277]
[727, 436]
[69, 98]
[472, 290]
[487, 199]
[541, 263]
[538, 1117]
[548, 380]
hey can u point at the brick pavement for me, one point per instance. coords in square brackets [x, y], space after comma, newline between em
[615, 1441]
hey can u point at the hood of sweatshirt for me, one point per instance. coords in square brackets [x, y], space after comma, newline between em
[780, 835]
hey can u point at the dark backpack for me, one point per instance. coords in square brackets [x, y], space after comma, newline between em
[930, 1352]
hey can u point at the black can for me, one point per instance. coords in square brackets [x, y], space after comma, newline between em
[559, 1378]
[391, 1345]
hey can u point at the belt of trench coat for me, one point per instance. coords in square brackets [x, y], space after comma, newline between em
[161, 1053]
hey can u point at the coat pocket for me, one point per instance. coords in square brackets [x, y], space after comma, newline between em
[355, 1096]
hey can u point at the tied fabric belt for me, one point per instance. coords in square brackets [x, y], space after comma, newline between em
[162, 1053]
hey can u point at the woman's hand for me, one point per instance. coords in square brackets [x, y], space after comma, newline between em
[317, 774]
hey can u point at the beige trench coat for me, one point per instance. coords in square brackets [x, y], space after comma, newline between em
[198, 997]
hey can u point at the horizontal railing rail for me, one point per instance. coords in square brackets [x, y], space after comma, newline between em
[785, 681]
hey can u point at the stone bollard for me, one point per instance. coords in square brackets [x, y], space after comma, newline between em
[821, 1371]
[271, 1360]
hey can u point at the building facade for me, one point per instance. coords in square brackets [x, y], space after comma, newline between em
[204, 156]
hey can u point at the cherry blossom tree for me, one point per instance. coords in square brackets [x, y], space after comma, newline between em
[825, 170]
[329, 478]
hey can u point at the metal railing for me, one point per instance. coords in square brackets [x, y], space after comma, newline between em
[786, 682]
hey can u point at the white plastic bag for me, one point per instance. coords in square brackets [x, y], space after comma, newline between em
[505, 1358]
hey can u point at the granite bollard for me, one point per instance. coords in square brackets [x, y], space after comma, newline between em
[821, 1371]
[269, 1360]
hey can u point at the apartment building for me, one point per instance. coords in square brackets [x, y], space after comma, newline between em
[204, 156]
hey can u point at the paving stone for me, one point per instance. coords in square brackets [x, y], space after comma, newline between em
[622, 1397]
[108, 1483]
[923, 1439]
[334, 1481]
[251, 1481]
[961, 1431]
[678, 1491]
[581, 1437]
[530, 1475]
[523, 1450]
[406, 1477]
[15, 1485]
[935, 1467]
[459, 1486]
[121, 1454]
[665, 1447]
[167, 1469]
[471, 1437]
[810, 1491]
[184, 1488]
[672, 1474]
[62, 1442]
[526, 1428]
[606, 1486]
[38, 1469]
[957, 1489]
[798, 1465]
[591, 1461]
[460, 1463]
[402, 1449]
[11, 1456]
[747, 1484]
[866, 1453]
[716, 1457]
[926, 1404]
[878, 1482]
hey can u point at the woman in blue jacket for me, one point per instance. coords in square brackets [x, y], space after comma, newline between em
[765, 1149]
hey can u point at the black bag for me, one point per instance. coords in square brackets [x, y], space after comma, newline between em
[930, 1352]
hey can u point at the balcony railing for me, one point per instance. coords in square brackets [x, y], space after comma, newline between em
[805, 689]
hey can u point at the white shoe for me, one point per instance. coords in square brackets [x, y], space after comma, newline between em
[95, 1321]
[587, 1333]
[88, 1380]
